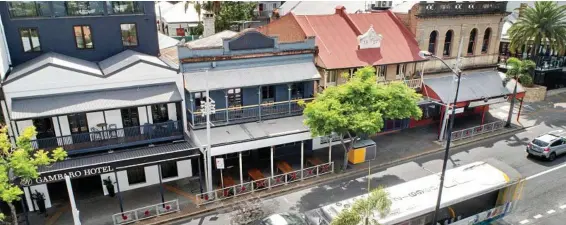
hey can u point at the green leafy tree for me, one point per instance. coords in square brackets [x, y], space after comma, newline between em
[542, 23]
[363, 209]
[359, 107]
[21, 163]
[520, 70]
[230, 12]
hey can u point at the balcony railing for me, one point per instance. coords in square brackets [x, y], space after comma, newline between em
[543, 63]
[412, 83]
[251, 113]
[113, 138]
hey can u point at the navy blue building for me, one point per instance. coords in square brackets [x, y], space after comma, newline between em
[90, 31]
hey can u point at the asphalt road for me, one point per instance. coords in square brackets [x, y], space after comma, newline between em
[542, 193]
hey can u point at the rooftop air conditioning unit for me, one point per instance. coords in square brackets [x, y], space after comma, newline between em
[382, 4]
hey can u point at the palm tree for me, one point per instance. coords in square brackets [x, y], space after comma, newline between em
[362, 209]
[543, 23]
[520, 70]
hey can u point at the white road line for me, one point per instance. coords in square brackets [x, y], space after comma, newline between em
[524, 221]
[537, 216]
[563, 207]
[547, 171]
[550, 211]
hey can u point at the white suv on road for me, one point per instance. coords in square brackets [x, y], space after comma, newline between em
[548, 145]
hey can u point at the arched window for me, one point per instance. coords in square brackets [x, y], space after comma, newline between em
[485, 43]
[472, 41]
[432, 42]
[447, 43]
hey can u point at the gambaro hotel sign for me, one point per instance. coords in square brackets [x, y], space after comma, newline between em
[54, 177]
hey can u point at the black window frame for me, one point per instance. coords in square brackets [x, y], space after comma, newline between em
[82, 35]
[169, 169]
[29, 39]
[75, 8]
[156, 112]
[234, 97]
[128, 117]
[137, 8]
[136, 175]
[447, 51]
[432, 41]
[297, 90]
[75, 119]
[486, 40]
[269, 91]
[37, 7]
[472, 41]
[129, 34]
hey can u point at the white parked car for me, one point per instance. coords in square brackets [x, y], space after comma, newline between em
[285, 219]
[548, 145]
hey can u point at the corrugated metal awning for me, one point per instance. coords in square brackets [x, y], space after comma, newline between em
[43, 106]
[219, 79]
[473, 86]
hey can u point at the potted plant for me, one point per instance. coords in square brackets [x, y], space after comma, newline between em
[109, 187]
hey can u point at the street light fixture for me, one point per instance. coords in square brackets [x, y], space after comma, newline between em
[458, 73]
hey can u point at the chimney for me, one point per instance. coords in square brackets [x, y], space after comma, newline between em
[340, 10]
[208, 24]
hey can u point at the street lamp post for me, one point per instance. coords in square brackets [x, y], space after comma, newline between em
[458, 73]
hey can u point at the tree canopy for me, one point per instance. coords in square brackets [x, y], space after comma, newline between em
[21, 163]
[360, 106]
[520, 69]
[545, 22]
[363, 209]
[229, 12]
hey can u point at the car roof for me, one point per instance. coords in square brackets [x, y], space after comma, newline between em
[548, 138]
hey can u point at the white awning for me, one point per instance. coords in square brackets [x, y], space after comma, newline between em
[243, 137]
[219, 79]
[26, 108]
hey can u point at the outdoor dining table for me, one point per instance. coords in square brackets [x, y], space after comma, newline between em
[286, 168]
[257, 176]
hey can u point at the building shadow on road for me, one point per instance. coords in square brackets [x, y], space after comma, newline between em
[342, 190]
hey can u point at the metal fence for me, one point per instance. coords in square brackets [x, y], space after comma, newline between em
[263, 184]
[146, 212]
[474, 131]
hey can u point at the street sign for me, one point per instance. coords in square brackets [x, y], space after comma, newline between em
[220, 163]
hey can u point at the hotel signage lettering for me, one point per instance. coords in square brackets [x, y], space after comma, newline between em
[72, 174]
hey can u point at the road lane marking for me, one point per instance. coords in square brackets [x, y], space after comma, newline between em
[563, 207]
[524, 221]
[546, 171]
[537, 216]
[550, 211]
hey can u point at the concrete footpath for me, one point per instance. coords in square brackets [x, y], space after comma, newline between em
[393, 149]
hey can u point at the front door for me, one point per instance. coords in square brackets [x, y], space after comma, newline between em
[79, 127]
[45, 133]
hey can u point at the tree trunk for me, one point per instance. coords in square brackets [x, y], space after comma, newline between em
[14, 215]
[535, 51]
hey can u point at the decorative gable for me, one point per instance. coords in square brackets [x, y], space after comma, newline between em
[370, 39]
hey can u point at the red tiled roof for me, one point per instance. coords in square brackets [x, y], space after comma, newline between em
[338, 45]
[286, 28]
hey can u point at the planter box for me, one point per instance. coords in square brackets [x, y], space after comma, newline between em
[535, 93]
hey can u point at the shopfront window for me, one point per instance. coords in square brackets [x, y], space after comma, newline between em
[169, 170]
[136, 175]
[25, 9]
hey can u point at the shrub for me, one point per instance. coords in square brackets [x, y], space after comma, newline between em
[526, 80]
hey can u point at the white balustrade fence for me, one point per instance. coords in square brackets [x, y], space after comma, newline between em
[474, 131]
[146, 212]
[263, 184]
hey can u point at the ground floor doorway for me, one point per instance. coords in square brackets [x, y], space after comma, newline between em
[84, 188]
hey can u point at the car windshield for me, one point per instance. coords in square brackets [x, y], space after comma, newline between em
[290, 219]
[540, 143]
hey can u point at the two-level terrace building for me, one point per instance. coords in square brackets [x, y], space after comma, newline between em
[256, 82]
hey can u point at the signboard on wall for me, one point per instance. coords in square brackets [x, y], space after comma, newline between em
[220, 163]
[488, 102]
[55, 177]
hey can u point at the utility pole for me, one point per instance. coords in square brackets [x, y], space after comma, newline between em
[208, 109]
[448, 138]
[445, 117]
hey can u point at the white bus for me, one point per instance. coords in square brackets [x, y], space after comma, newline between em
[477, 193]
